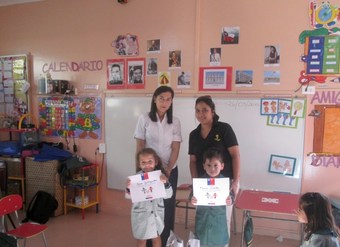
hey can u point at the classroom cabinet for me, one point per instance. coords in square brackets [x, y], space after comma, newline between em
[81, 188]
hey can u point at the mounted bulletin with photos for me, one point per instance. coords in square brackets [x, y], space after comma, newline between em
[14, 85]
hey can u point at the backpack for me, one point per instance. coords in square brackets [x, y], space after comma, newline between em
[41, 207]
[7, 240]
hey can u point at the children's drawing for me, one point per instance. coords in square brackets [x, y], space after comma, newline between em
[87, 124]
[282, 165]
[269, 106]
[298, 108]
[282, 120]
[285, 105]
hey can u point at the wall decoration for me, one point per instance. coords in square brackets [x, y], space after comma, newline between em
[136, 73]
[184, 79]
[88, 121]
[152, 64]
[285, 106]
[164, 78]
[244, 78]
[324, 15]
[116, 73]
[153, 46]
[175, 59]
[126, 45]
[269, 106]
[70, 116]
[215, 56]
[215, 78]
[282, 120]
[271, 77]
[298, 108]
[271, 55]
[282, 165]
[230, 35]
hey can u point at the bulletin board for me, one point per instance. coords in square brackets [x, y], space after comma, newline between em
[78, 116]
[14, 85]
[257, 140]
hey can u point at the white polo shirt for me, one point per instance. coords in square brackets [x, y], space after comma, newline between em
[159, 135]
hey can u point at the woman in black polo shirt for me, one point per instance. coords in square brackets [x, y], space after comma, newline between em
[213, 133]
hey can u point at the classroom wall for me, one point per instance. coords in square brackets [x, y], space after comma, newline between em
[59, 31]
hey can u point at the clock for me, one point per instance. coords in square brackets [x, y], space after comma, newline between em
[326, 14]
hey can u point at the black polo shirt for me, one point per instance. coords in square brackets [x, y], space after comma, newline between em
[220, 136]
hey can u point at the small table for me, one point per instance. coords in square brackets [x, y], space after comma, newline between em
[264, 201]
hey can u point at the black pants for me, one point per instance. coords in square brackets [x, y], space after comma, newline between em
[169, 210]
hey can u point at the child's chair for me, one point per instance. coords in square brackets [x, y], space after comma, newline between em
[9, 206]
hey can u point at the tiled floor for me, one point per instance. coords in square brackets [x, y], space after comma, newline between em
[111, 228]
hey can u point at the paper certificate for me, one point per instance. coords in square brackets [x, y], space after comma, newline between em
[211, 191]
[146, 186]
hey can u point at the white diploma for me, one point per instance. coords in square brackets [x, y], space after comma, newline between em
[146, 186]
[211, 191]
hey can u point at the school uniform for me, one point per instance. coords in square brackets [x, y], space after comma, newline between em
[322, 238]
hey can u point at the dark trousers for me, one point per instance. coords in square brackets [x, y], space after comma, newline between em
[169, 210]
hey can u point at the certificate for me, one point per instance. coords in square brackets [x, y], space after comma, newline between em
[211, 191]
[146, 186]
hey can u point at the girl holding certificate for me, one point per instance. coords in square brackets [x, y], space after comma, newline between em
[210, 221]
[147, 217]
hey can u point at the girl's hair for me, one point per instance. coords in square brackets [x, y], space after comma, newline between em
[150, 151]
[213, 153]
[274, 48]
[208, 100]
[153, 109]
[318, 212]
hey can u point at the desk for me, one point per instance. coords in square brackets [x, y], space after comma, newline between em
[271, 202]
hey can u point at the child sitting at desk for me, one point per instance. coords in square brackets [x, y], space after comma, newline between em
[210, 221]
[316, 213]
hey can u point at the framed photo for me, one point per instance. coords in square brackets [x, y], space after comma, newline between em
[298, 108]
[215, 78]
[282, 165]
[115, 73]
[135, 73]
[269, 106]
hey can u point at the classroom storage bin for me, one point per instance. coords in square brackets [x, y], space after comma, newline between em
[44, 176]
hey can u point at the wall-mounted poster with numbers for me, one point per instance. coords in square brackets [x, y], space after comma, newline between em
[70, 116]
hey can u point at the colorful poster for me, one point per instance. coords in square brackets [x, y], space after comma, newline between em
[211, 191]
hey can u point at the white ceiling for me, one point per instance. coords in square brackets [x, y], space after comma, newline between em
[12, 2]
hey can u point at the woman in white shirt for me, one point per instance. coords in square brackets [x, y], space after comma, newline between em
[161, 131]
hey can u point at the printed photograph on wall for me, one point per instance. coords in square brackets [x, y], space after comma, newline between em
[271, 77]
[115, 73]
[230, 35]
[298, 108]
[175, 59]
[215, 78]
[282, 165]
[269, 106]
[126, 45]
[215, 56]
[282, 120]
[271, 55]
[164, 78]
[136, 73]
[244, 78]
[184, 79]
[152, 65]
[153, 46]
